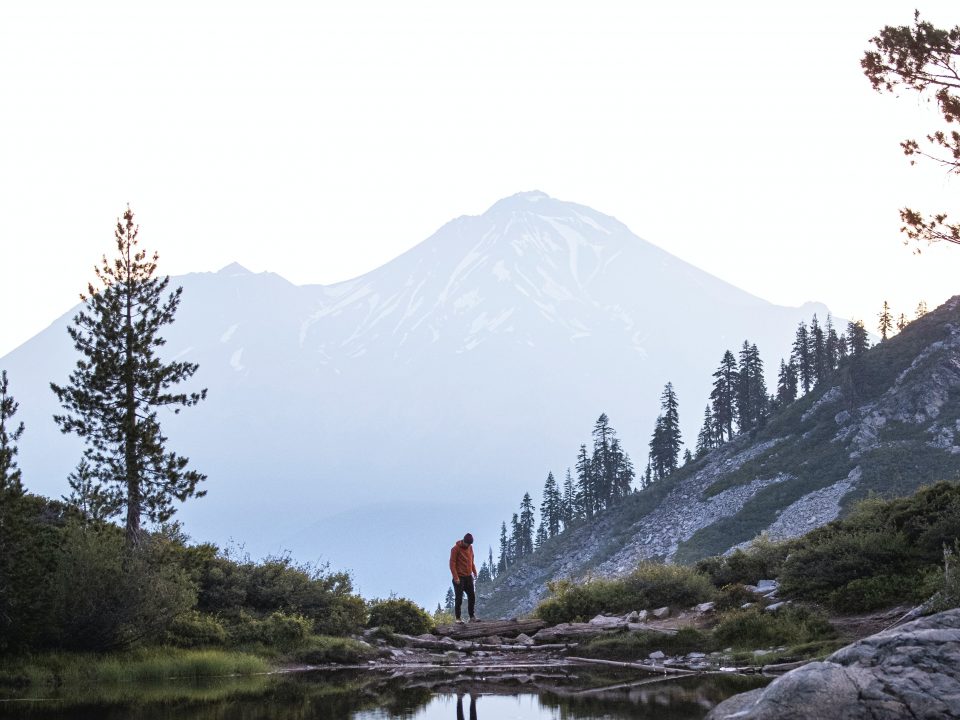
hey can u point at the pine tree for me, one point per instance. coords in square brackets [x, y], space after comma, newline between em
[541, 536]
[623, 473]
[504, 562]
[857, 339]
[551, 508]
[818, 350]
[921, 308]
[722, 397]
[569, 501]
[585, 491]
[841, 348]
[601, 463]
[483, 576]
[11, 483]
[803, 358]
[751, 389]
[901, 322]
[885, 324]
[687, 456]
[517, 544]
[786, 383]
[95, 502]
[665, 442]
[527, 522]
[449, 601]
[706, 438]
[118, 385]
[832, 345]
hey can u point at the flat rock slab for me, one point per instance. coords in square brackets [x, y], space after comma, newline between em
[912, 671]
[488, 628]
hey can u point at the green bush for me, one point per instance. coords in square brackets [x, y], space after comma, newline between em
[761, 560]
[756, 628]
[228, 585]
[400, 615]
[278, 630]
[195, 629]
[328, 650]
[733, 596]
[107, 596]
[878, 591]
[651, 585]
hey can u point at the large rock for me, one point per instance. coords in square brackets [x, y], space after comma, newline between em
[912, 671]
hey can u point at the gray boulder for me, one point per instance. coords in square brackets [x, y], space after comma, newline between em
[912, 671]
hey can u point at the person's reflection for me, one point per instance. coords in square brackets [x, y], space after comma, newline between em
[473, 707]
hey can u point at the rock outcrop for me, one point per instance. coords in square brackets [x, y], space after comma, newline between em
[912, 671]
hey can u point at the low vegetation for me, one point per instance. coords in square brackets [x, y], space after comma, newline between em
[399, 615]
[884, 553]
[651, 585]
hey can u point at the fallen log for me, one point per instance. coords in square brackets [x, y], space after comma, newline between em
[639, 666]
[487, 628]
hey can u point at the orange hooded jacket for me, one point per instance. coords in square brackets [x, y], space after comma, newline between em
[461, 560]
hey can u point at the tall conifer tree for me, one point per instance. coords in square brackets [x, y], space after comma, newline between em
[570, 513]
[551, 509]
[802, 357]
[706, 438]
[885, 323]
[586, 493]
[818, 350]
[119, 383]
[857, 339]
[723, 395]
[787, 383]
[11, 483]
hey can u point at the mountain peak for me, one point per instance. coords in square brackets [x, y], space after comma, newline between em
[522, 201]
[233, 269]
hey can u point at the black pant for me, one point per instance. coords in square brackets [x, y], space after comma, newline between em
[465, 585]
[473, 708]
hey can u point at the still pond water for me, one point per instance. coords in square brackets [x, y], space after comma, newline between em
[350, 695]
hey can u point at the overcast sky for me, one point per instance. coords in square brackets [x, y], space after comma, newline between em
[320, 140]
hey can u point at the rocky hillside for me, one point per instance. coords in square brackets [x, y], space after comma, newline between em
[884, 423]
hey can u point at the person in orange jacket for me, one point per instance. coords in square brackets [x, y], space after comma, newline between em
[464, 572]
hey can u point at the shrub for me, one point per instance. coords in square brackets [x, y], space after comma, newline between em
[734, 596]
[325, 650]
[195, 629]
[107, 597]
[278, 630]
[878, 591]
[762, 559]
[755, 628]
[400, 615]
[651, 585]
[833, 557]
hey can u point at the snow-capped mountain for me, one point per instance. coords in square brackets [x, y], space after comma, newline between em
[372, 422]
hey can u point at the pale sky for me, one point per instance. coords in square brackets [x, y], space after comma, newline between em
[320, 140]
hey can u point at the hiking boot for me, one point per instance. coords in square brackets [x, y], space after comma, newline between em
[474, 618]
[460, 622]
